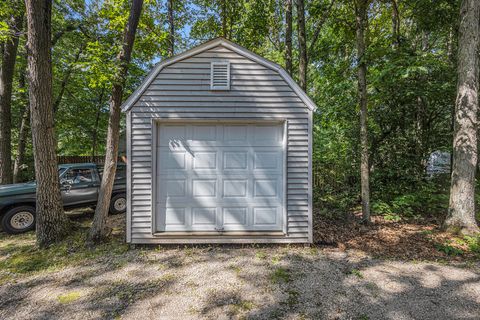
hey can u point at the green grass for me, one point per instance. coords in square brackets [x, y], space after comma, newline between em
[69, 297]
[260, 255]
[280, 275]
[356, 273]
[19, 255]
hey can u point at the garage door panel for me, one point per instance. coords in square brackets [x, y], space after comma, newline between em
[220, 177]
[265, 188]
[234, 216]
[173, 188]
[235, 133]
[169, 160]
[202, 188]
[234, 188]
[235, 160]
[204, 216]
[174, 216]
[204, 160]
[266, 217]
[267, 134]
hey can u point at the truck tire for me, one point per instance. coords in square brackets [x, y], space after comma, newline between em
[118, 204]
[19, 220]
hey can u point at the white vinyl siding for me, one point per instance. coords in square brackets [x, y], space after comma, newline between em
[182, 90]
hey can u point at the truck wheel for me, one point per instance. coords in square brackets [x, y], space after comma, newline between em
[118, 204]
[19, 219]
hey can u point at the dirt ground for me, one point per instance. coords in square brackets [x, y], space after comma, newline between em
[336, 281]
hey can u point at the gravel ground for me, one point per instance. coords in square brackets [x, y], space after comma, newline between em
[279, 282]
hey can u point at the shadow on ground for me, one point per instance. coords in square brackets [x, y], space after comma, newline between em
[219, 282]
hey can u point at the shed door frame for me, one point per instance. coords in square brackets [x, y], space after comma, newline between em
[156, 122]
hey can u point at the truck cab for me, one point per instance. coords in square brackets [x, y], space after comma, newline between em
[79, 187]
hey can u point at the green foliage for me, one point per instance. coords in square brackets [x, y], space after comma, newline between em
[411, 84]
[473, 244]
[448, 249]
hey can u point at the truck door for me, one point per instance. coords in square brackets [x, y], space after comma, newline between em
[79, 186]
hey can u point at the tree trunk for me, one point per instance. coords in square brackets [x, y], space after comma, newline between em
[302, 44]
[361, 21]
[22, 143]
[22, 130]
[171, 23]
[51, 220]
[461, 209]
[95, 127]
[99, 229]
[395, 24]
[288, 36]
[6, 80]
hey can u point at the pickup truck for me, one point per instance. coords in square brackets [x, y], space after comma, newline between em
[79, 184]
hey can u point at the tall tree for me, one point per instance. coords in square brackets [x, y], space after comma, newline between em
[7, 69]
[461, 209]
[288, 36]
[51, 220]
[99, 229]
[171, 27]
[395, 24]
[22, 129]
[360, 26]
[302, 45]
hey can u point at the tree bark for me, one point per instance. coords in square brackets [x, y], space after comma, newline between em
[171, 24]
[302, 44]
[95, 127]
[22, 130]
[99, 230]
[461, 209]
[395, 24]
[361, 22]
[7, 69]
[51, 221]
[288, 36]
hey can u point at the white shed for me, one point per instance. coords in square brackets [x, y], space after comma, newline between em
[219, 148]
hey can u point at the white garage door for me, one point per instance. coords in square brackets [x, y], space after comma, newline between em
[219, 177]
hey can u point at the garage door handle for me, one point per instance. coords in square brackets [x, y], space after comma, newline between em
[220, 229]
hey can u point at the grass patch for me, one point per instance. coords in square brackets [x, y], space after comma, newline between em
[69, 297]
[261, 255]
[235, 268]
[19, 254]
[356, 273]
[280, 275]
[242, 306]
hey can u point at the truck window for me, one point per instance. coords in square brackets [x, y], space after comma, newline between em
[120, 173]
[78, 176]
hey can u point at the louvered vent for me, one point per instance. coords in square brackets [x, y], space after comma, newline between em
[220, 76]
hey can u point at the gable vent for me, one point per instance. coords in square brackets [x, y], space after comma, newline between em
[220, 76]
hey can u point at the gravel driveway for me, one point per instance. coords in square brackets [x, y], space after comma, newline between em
[245, 282]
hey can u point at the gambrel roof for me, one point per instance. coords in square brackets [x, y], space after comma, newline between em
[128, 104]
